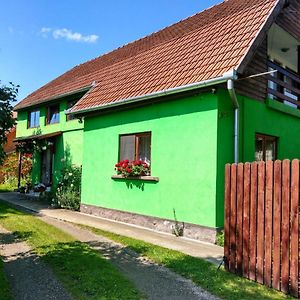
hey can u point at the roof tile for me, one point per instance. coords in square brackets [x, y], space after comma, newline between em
[201, 47]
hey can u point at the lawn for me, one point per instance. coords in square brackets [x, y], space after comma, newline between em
[6, 188]
[4, 286]
[82, 270]
[218, 282]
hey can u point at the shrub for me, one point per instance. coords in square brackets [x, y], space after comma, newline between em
[9, 168]
[67, 194]
[47, 197]
[220, 239]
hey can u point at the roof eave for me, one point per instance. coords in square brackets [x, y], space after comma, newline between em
[57, 97]
[184, 88]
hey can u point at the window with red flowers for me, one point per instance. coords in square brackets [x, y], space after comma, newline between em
[134, 147]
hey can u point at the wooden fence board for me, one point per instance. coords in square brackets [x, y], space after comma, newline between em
[268, 224]
[227, 215]
[285, 226]
[246, 222]
[262, 223]
[239, 225]
[276, 226]
[253, 225]
[294, 261]
[232, 238]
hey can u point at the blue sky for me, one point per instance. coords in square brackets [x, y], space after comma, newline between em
[40, 40]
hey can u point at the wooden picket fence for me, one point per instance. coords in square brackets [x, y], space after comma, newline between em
[262, 223]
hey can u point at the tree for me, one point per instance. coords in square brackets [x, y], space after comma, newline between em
[8, 95]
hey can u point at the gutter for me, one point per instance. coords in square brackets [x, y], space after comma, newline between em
[231, 91]
[227, 77]
[184, 88]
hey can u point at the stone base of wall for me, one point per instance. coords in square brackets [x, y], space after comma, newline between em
[192, 231]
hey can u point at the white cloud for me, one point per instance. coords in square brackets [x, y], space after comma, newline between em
[64, 33]
[45, 31]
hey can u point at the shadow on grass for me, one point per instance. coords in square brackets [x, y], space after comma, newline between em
[86, 273]
[219, 282]
[14, 237]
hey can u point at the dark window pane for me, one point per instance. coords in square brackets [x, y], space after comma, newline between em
[270, 150]
[259, 153]
[127, 147]
[53, 114]
[144, 148]
[265, 147]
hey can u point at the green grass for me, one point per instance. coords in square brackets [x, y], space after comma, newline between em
[4, 286]
[6, 188]
[85, 273]
[220, 283]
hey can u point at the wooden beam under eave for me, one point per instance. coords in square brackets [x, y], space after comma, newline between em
[261, 36]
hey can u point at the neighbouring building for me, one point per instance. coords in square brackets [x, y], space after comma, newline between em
[218, 87]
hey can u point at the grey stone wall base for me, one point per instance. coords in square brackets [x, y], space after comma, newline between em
[191, 231]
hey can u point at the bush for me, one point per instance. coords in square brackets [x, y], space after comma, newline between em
[220, 239]
[47, 197]
[11, 183]
[67, 194]
[9, 168]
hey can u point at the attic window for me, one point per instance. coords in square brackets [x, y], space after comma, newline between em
[52, 114]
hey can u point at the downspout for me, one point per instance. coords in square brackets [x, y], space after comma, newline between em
[231, 91]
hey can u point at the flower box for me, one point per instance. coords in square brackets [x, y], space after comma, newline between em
[134, 168]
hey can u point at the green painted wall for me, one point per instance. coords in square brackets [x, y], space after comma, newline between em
[184, 152]
[225, 149]
[63, 125]
[68, 146]
[270, 118]
[277, 120]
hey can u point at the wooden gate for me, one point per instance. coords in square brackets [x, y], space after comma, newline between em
[262, 223]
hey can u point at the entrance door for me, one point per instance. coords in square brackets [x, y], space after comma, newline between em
[47, 166]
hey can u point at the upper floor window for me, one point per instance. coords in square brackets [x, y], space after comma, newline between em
[265, 147]
[70, 104]
[136, 147]
[34, 119]
[52, 114]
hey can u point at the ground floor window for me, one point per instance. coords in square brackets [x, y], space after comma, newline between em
[265, 147]
[135, 147]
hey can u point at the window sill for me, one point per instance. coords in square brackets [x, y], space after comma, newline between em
[143, 178]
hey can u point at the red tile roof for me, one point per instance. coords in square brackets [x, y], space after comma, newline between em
[201, 47]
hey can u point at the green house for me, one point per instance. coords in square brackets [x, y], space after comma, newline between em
[221, 86]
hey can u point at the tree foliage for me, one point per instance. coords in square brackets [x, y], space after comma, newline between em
[8, 95]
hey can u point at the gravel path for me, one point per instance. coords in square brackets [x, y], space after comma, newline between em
[30, 279]
[154, 281]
